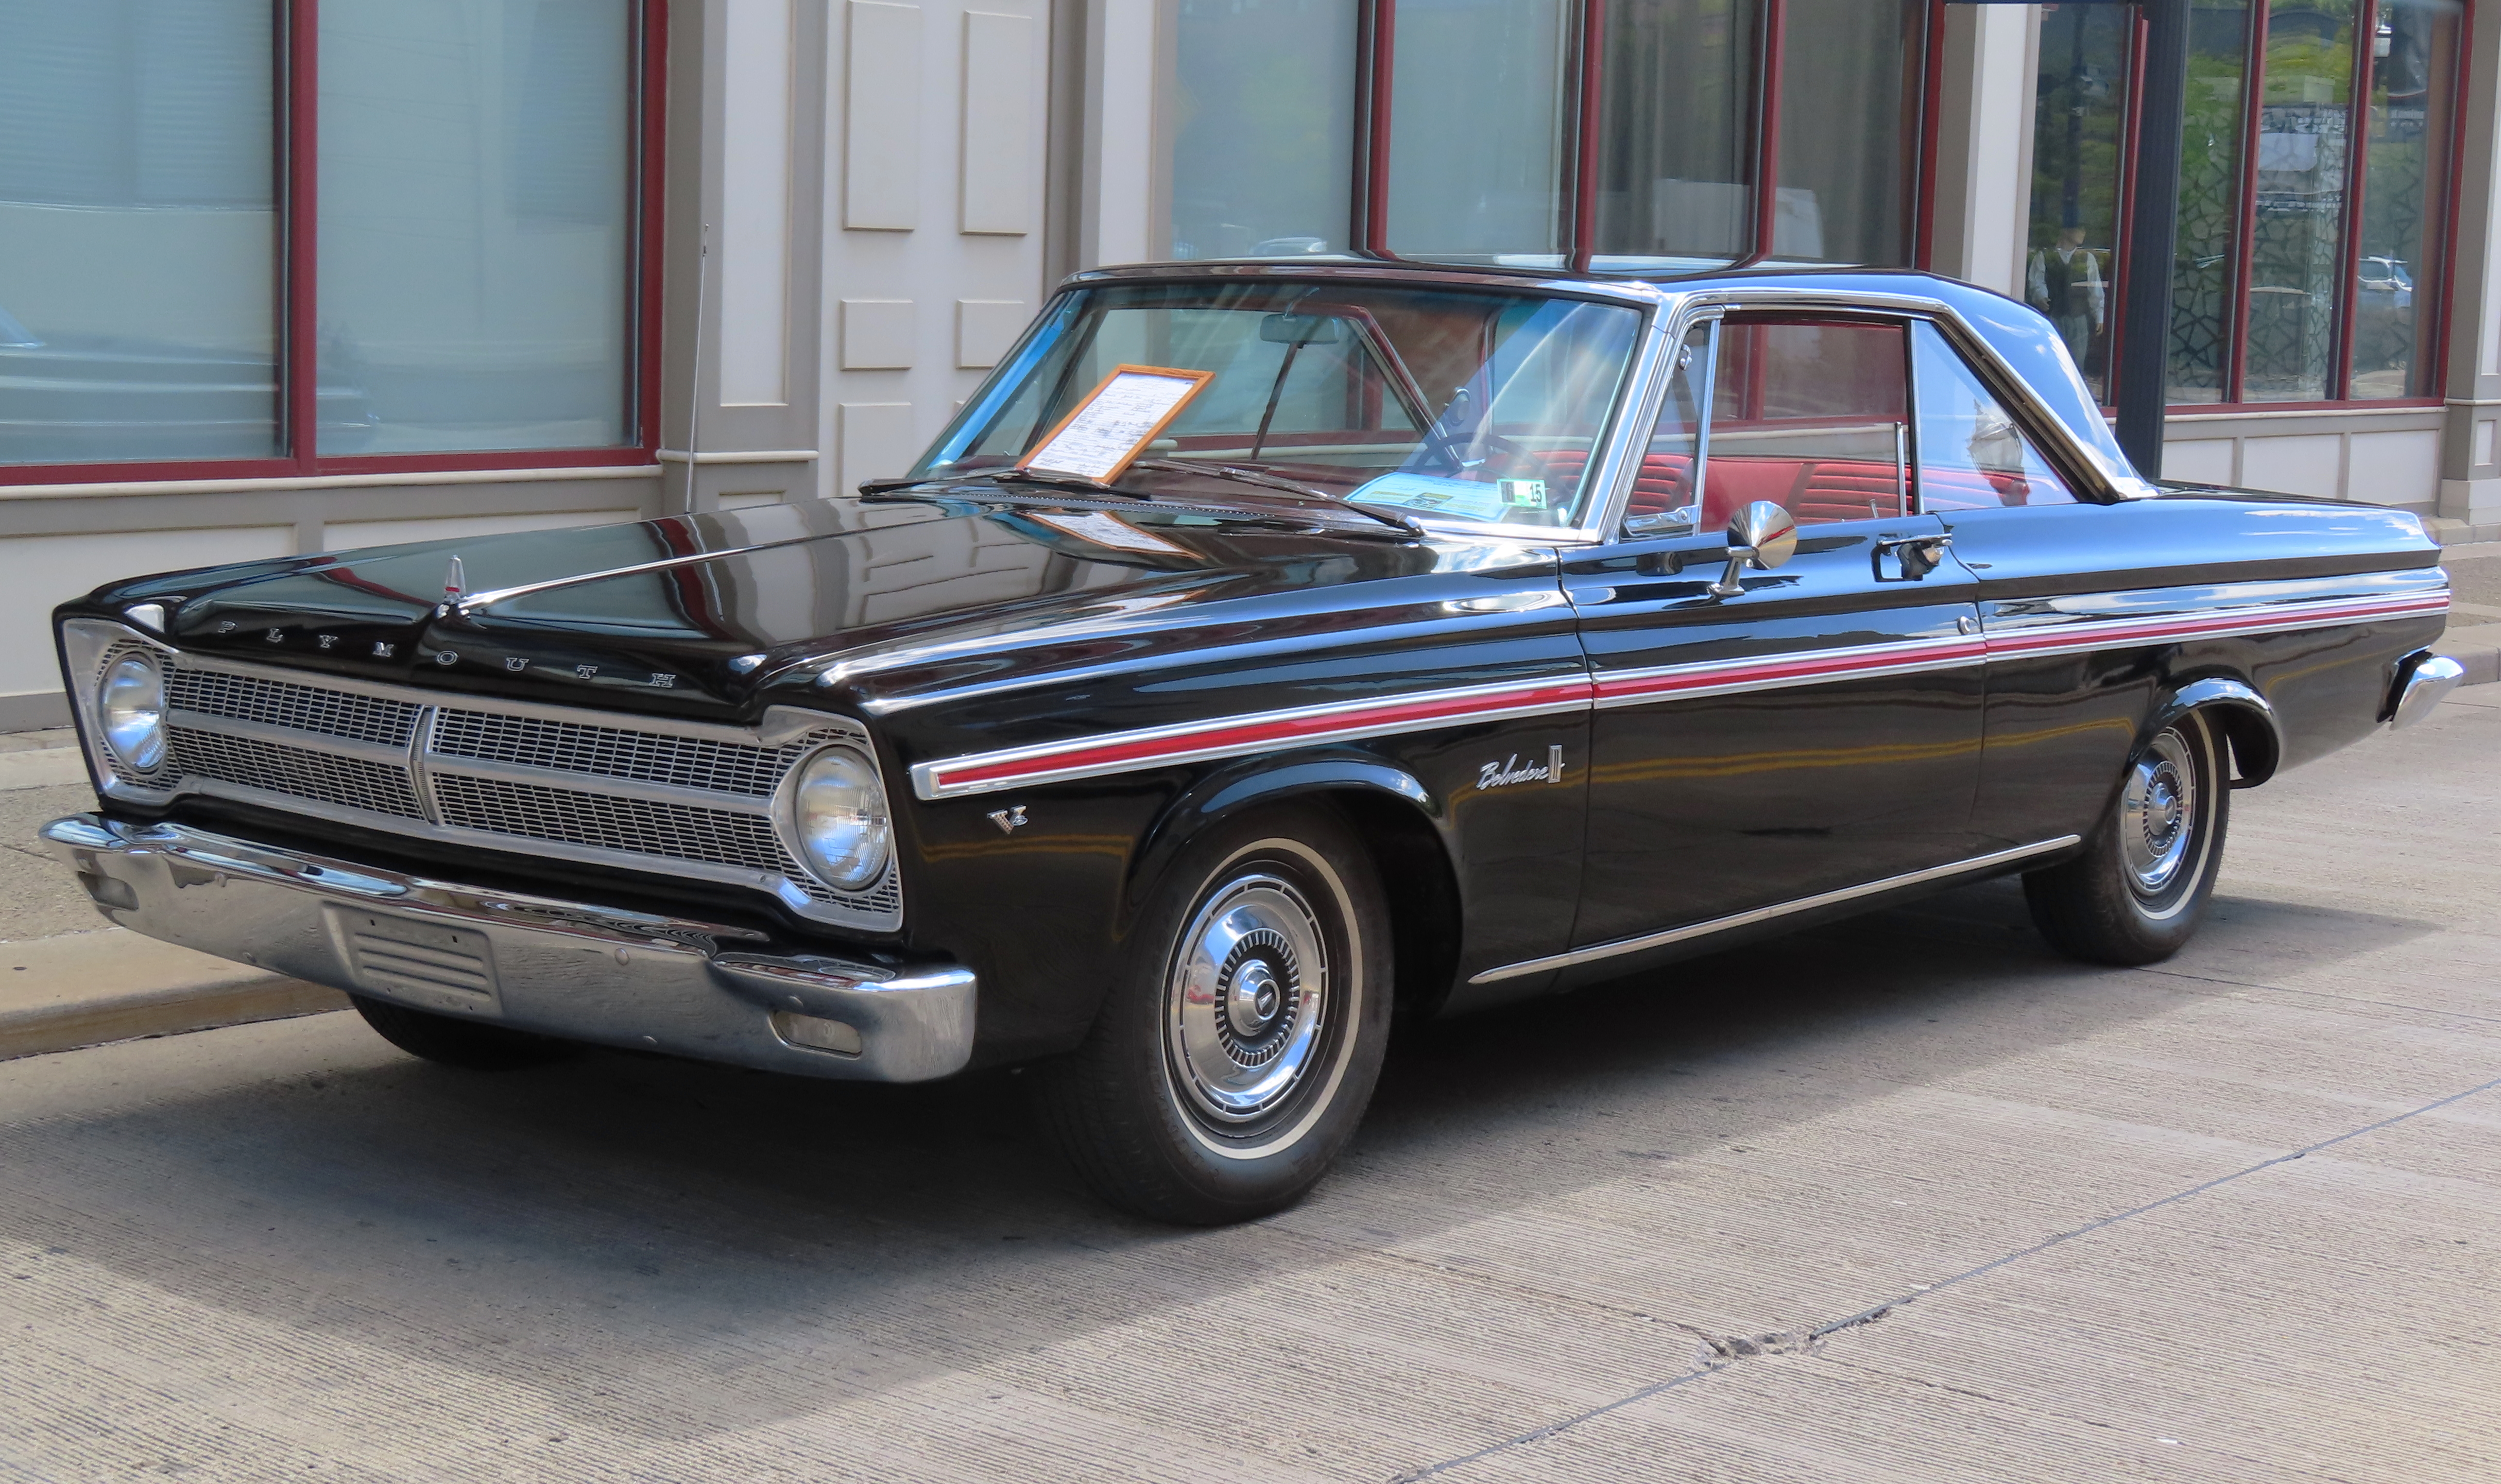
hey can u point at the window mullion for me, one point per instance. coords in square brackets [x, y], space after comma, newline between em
[2245, 235]
[299, 373]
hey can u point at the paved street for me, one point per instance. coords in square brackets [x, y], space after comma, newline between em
[1904, 1199]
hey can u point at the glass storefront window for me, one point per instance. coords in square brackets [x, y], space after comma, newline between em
[2078, 130]
[2405, 170]
[1850, 132]
[1263, 154]
[2206, 254]
[2312, 220]
[1676, 140]
[138, 231]
[2296, 250]
[476, 216]
[1480, 123]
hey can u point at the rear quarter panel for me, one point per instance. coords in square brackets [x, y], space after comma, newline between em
[2097, 614]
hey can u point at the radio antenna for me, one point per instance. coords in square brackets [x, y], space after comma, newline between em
[694, 373]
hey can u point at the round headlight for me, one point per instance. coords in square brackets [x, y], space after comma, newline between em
[838, 813]
[131, 704]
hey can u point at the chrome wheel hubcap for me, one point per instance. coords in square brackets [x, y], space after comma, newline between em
[2157, 814]
[1246, 998]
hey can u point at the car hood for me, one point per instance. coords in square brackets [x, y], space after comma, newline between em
[722, 614]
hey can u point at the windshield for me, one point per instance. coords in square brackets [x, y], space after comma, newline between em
[1466, 406]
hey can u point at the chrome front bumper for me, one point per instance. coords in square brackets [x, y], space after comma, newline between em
[564, 969]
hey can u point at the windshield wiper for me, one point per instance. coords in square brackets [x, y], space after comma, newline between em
[1267, 480]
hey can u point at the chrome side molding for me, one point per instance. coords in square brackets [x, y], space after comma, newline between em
[1596, 952]
[2421, 686]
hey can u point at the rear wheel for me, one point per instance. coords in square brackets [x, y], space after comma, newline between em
[456, 1043]
[2139, 889]
[1241, 1038]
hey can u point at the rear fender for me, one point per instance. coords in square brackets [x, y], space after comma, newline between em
[2247, 722]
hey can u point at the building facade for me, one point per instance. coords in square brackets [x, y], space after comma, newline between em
[291, 276]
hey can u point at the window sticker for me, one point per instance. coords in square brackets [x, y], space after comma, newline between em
[1522, 494]
[1472, 499]
[1124, 414]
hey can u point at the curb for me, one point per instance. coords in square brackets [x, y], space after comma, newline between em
[86, 989]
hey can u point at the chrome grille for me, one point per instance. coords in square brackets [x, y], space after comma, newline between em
[458, 773]
[612, 752]
[296, 707]
[633, 826]
[326, 777]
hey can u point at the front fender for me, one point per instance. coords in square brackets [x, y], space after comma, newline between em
[1253, 782]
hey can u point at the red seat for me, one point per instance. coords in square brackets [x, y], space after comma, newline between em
[1662, 483]
[1848, 490]
[1735, 481]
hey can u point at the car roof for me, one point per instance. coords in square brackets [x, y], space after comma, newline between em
[2019, 335]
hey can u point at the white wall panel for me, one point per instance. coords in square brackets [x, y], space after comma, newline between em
[346, 534]
[49, 569]
[878, 441]
[985, 328]
[1001, 165]
[2393, 468]
[755, 237]
[2306, 464]
[2199, 460]
[877, 334]
[882, 118]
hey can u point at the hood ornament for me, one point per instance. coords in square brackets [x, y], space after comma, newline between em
[455, 584]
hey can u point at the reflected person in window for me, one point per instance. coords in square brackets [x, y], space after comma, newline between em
[2064, 282]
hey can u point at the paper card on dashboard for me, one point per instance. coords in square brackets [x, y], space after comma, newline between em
[1116, 421]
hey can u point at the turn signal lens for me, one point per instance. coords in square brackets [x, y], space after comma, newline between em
[838, 813]
[131, 705]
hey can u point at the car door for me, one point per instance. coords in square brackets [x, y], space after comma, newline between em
[1817, 730]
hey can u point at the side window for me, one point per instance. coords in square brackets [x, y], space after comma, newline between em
[1662, 498]
[1972, 456]
[1812, 415]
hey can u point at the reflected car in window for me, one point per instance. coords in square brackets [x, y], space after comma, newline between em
[1460, 636]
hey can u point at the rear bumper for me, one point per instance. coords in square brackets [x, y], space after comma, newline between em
[2424, 679]
[563, 968]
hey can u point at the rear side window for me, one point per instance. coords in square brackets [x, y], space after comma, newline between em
[1812, 415]
[1972, 455]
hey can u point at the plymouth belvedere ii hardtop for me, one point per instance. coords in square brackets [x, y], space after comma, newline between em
[1443, 638]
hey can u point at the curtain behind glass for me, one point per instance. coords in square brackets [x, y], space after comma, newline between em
[2404, 198]
[1676, 144]
[1478, 128]
[138, 231]
[1263, 154]
[2209, 201]
[476, 219]
[1848, 131]
[2079, 123]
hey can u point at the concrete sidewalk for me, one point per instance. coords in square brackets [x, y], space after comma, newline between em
[69, 980]
[67, 977]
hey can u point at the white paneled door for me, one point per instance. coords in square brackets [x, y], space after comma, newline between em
[933, 257]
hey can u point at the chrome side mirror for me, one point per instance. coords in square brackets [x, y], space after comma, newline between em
[1764, 535]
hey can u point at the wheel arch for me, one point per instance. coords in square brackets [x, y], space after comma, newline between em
[2250, 725]
[1399, 823]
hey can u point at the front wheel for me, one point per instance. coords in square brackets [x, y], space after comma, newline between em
[2139, 889]
[1240, 1039]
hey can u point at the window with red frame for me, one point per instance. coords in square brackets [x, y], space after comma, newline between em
[247, 237]
[2315, 195]
[1625, 136]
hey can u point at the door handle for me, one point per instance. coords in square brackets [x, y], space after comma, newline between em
[1919, 555]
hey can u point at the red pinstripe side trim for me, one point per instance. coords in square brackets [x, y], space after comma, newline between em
[1197, 741]
[1235, 736]
[2098, 634]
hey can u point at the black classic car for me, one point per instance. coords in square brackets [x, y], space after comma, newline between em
[1456, 638]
